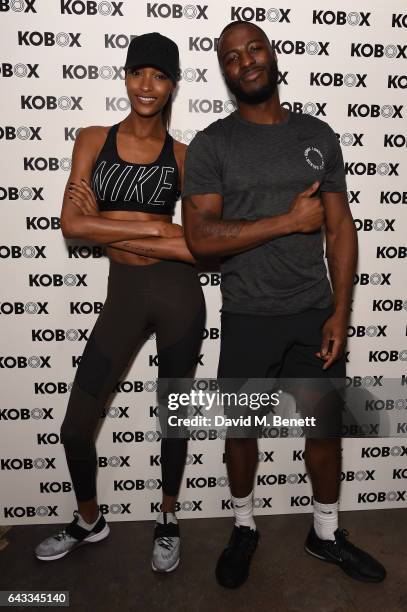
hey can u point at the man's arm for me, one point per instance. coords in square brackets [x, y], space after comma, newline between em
[208, 235]
[342, 252]
[160, 248]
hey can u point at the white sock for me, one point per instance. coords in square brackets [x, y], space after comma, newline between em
[84, 524]
[170, 518]
[243, 510]
[325, 520]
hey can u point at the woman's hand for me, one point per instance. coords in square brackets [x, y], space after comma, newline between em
[83, 197]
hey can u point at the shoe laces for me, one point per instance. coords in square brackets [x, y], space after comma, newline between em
[62, 534]
[343, 544]
[166, 542]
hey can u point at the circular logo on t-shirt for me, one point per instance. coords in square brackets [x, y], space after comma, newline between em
[314, 158]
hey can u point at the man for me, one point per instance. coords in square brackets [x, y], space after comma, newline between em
[259, 185]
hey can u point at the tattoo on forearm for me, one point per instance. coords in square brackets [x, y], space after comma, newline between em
[222, 229]
[129, 246]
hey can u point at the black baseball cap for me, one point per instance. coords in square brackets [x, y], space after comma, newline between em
[154, 49]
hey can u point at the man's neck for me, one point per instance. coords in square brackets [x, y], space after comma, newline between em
[266, 113]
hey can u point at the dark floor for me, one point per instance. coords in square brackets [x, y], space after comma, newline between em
[115, 575]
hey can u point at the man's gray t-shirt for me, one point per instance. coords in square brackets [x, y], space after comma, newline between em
[259, 170]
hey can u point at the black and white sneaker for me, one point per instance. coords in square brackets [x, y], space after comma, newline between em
[70, 537]
[355, 562]
[233, 566]
[167, 543]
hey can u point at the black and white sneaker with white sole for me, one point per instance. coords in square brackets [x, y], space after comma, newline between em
[354, 561]
[167, 543]
[70, 537]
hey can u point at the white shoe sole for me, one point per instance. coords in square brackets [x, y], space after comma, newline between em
[164, 571]
[95, 537]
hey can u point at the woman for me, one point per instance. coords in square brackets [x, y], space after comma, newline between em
[135, 173]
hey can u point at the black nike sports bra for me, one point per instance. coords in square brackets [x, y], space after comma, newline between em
[121, 185]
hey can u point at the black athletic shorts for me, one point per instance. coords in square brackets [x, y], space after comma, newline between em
[283, 348]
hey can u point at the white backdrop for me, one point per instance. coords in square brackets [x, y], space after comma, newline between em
[60, 71]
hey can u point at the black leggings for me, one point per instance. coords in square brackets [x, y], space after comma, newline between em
[166, 298]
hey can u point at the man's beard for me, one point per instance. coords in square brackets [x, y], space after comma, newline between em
[260, 95]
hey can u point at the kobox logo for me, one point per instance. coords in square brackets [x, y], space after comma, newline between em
[48, 39]
[341, 18]
[337, 79]
[115, 412]
[18, 6]
[194, 75]
[184, 506]
[27, 463]
[10, 132]
[248, 13]
[52, 164]
[21, 193]
[79, 71]
[399, 20]
[199, 43]
[51, 103]
[52, 388]
[395, 140]
[90, 7]
[396, 305]
[393, 197]
[18, 308]
[388, 404]
[395, 81]
[177, 11]
[59, 335]
[85, 252]
[281, 479]
[391, 252]
[43, 223]
[56, 487]
[381, 496]
[211, 106]
[364, 381]
[29, 511]
[17, 252]
[118, 41]
[359, 476]
[370, 452]
[392, 356]
[24, 414]
[21, 362]
[376, 278]
[350, 139]
[317, 109]
[369, 331]
[375, 225]
[114, 461]
[387, 111]
[22, 71]
[300, 47]
[85, 307]
[378, 50]
[137, 485]
[57, 280]
[208, 482]
[371, 169]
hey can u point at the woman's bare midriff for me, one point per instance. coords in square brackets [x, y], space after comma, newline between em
[125, 257]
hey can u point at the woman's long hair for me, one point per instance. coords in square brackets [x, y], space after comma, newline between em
[166, 113]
